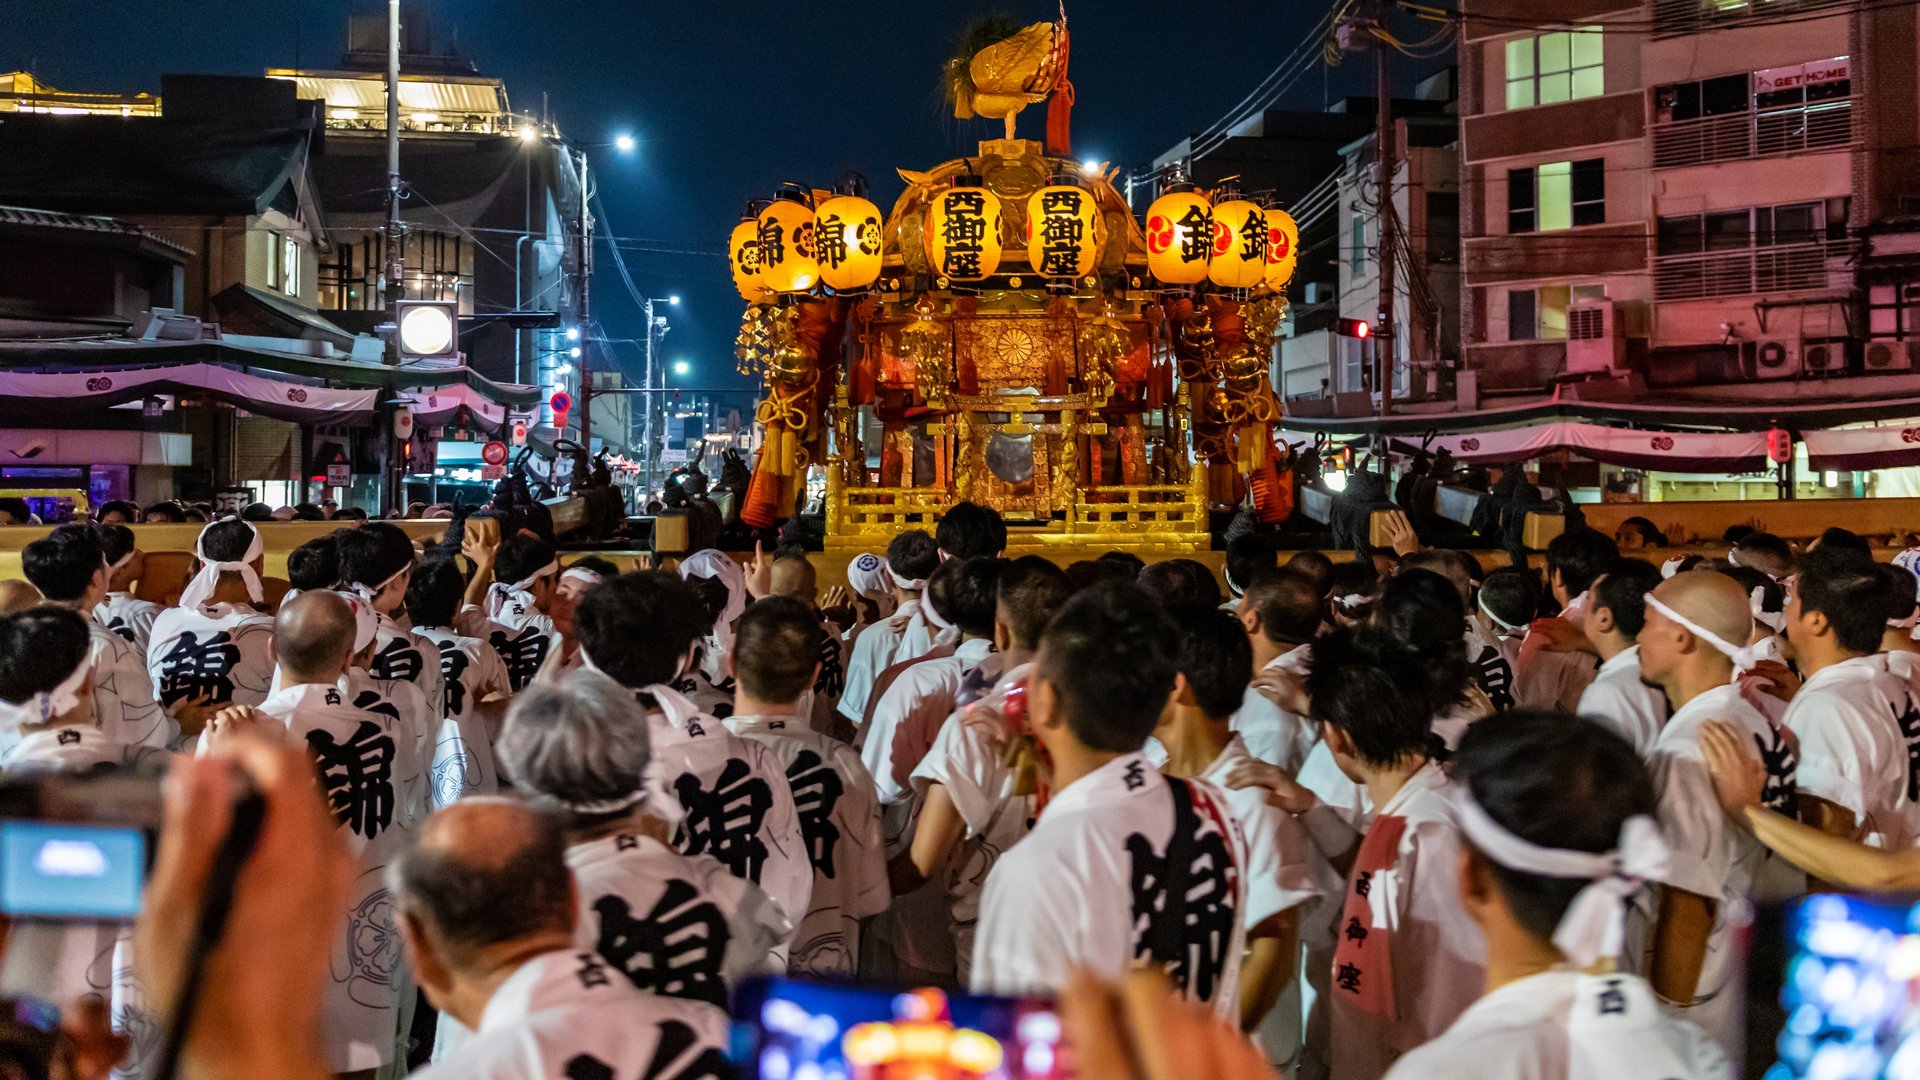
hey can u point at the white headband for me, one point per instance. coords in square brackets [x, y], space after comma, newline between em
[1733, 556]
[581, 573]
[1744, 657]
[1503, 624]
[1672, 566]
[1593, 926]
[1912, 620]
[934, 618]
[47, 704]
[368, 592]
[1775, 621]
[498, 592]
[868, 575]
[1353, 600]
[201, 587]
[909, 584]
[366, 623]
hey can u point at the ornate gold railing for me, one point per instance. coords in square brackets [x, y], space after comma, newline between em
[1176, 510]
[869, 511]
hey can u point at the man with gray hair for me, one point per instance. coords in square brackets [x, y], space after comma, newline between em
[676, 925]
[486, 909]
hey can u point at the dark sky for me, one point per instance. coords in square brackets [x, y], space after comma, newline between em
[727, 97]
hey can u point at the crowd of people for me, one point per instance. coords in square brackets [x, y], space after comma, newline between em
[1402, 818]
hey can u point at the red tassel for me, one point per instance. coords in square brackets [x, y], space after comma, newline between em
[762, 507]
[1060, 108]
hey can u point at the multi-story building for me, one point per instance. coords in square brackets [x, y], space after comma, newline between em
[1706, 195]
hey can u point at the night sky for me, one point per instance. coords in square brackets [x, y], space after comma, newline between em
[728, 99]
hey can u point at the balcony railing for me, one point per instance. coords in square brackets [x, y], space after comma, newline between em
[1693, 16]
[1826, 125]
[1747, 271]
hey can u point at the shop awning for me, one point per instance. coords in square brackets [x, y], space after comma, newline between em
[43, 393]
[1859, 449]
[1666, 451]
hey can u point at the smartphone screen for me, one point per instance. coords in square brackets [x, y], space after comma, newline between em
[1848, 998]
[786, 1029]
[60, 870]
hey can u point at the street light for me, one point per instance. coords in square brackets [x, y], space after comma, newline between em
[624, 143]
[674, 299]
[681, 367]
[573, 333]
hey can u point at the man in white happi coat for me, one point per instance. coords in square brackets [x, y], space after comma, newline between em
[511, 612]
[912, 557]
[120, 611]
[1557, 822]
[1693, 646]
[1857, 723]
[215, 648]
[486, 908]
[376, 564]
[372, 775]
[677, 925]
[1281, 611]
[727, 797]
[776, 657]
[69, 568]
[1125, 867]
[1618, 696]
[475, 683]
[1555, 666]
[975, 804]
[1213, 664]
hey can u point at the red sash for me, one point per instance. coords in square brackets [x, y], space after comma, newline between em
[1363, 954]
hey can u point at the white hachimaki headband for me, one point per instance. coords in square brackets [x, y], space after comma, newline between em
[1744, 657]
[869, 576]
[368, 592]
[198, 590]
[47, 704]
[1672, 566]
[366, 622]
[582, 574]
[909, 584]
[499, 591]
[1775, 621]
[1594, 924]
[1503, 624]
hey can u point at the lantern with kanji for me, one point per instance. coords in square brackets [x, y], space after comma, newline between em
[743, 251]
[1239, 258]
[1179, 236]
[787, 263]
[1063, 231]
[846, 242]
[963, 232]
[1283, 242]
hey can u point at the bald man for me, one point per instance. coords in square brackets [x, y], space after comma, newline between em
[486, 908]
[1691, 646]
[794, 577]
[371, 771]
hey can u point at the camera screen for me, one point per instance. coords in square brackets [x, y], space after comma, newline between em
[58, 870]
[787, 1030]
[1852, 980]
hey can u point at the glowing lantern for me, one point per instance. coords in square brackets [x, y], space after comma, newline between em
[1179, 236]
[1063, 231]
[786, 246]
[1283, 243]
[1239, 258]
[846, 242]
[963, 231]
[743, 251]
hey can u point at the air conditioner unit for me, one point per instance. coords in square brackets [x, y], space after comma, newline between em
[1776, 358]
[1825, 358]
[1594, 341]
[1887, 354]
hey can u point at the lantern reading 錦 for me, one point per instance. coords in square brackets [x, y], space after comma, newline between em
[1179, 237]
[1239, 245]
[1063, 240]
[743, 251]
[1283, 240]
[846, 242]
[787, 262]
[963, 232]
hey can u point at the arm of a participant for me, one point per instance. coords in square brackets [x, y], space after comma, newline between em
[480, 554]
[1680, 944]
[938, 829]
[1272, 962]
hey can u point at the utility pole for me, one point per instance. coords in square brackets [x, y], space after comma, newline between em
[392, 467]
[586, 326]
[1384, 335]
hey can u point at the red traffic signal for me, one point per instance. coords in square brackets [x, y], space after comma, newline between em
[1353, 328]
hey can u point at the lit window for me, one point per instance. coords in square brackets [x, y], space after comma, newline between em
[275, 252]
[290, 264]
[1546, 69]
[1556, 195]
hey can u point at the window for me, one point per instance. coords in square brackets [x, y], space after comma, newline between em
[1893, 309]
[1522, 319]
[1541, 314]
[276, 252]
[1551, 68]
[1359, 244]
[1740, 230]
[290, 266]
[1556, 195]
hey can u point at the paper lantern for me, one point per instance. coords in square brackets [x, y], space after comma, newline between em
[1063, 232]
[787, 262]
[846, 242]
[1283, 243]
[1239, 259]
[963, 231]
[1179, 237]
[743, 250]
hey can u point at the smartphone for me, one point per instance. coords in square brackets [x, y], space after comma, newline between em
[1848, 992]
[76, 847]
[790, 1028]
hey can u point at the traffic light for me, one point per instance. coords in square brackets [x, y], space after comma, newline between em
[1353, 328]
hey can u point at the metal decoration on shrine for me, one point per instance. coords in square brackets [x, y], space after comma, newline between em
[1011, 335]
